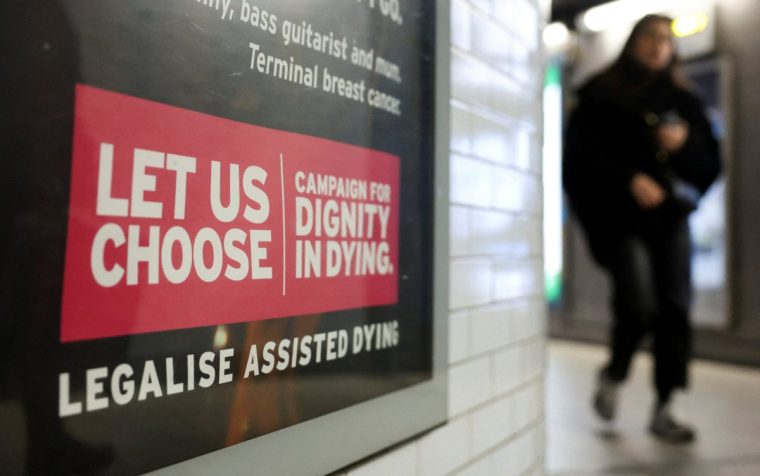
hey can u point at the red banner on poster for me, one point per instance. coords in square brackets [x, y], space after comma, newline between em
[180, 219]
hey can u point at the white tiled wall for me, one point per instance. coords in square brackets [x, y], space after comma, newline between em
[497, 313]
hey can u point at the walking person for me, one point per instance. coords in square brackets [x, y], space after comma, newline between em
[639, 153]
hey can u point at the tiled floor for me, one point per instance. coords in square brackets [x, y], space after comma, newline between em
[723, 404]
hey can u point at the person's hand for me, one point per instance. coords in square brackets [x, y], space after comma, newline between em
[672, 137]
[647, 193]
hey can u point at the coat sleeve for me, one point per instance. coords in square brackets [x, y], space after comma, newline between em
[597, 165]
[699, 160]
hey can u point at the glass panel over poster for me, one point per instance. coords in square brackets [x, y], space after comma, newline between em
[217, 226]
[709, 230]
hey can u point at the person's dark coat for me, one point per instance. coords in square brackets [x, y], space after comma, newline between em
[611, 136]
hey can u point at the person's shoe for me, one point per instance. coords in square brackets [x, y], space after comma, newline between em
[666, 428]
[606, 396]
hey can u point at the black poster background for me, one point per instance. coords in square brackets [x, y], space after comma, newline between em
[179, 52]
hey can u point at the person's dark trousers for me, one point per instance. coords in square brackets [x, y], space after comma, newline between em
[651, 275]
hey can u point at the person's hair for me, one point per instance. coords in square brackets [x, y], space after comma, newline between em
[639, 29]
[626, 72]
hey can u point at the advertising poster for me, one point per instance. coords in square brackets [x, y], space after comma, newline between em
[216, 222]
